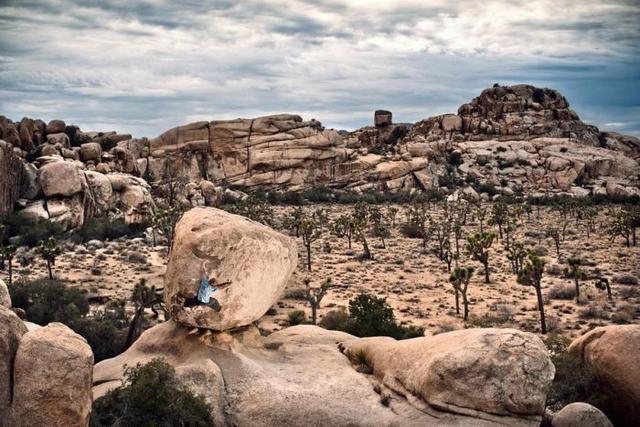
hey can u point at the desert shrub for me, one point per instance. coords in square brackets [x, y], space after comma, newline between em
[296, 317]
[373, 316]
[454, 158]
[411, 230]
[320, 194]
[501, 149]
[624, 314]
[252, 208]
[296, 293]
[151, 396]
[336, 320]
[446, 326]
[488, 320]
[626, 279]
[562, 291]
[594, 312]
[107, 229]
[46, 301]
[574, 381]
[627, 292]
[28, 231]
[490, 189]
[105, 331]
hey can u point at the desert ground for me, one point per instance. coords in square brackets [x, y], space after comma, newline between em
[415, 282]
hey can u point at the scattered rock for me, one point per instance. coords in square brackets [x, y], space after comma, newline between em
[580, 414]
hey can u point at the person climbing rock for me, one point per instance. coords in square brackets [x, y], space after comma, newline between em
[208, 285]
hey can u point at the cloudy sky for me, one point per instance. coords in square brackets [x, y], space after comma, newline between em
[143, 67]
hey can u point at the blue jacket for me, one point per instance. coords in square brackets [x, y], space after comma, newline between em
[205, 291]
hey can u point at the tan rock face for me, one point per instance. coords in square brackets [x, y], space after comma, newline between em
[52, 378]
[61, 179]
[5, 298]
[91, 151]
[496, 371]
[580, 414]
[257, 259]
[614, 354]
[11, 331]
[11, 173]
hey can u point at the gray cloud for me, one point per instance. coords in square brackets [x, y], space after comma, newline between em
[142, 67]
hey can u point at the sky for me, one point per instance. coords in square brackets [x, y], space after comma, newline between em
[142, 67]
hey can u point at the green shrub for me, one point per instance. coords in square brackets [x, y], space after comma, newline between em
[574, 381]
[30, 232]
[45, 301]
[151, 396]
[372, 316]
[105, 330]
[106, 229]
[336, 320]
[296, 317]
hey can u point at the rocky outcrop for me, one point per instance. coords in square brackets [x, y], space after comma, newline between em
[509, 113]
[11, 173]
[504, 372]
[613, 352]
[298, 377]
[256, 259]
[45, 374]
[580, 414]
[5, 298]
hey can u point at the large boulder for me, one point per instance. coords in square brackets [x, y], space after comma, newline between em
[257, 259]
[5, 298]
[613, 352]
[497, 371]
[61, 179]
[11, 177]
[580, 414]
[91, 151]
[53, 371]
[55, 126]
[11, 331]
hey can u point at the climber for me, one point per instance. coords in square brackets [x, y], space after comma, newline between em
[208, 285]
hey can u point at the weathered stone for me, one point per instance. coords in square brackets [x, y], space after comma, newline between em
[11, 173]
[580, 414]
[11, 331]
[59, 138]
[52, 378]
[382, 118]
[614, 354]
[496, 371]
[61, 179]
[257, 259]
[55, 126]
[5, 298]
[91, 151]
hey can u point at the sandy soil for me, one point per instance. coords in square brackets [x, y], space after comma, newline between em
[415, 283]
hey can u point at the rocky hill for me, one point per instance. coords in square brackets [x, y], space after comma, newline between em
[509, 140]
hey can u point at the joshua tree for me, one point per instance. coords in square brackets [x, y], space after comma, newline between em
[481, 214]
[499, 214]
[380, 226]
[458, 234]
[392, 213]
[7, 253]
[143, 296]
[441, 230]
[516, 255]
[589, 215]
[49, 250]
[602, 283]
[315, 295]
[418, 218]
[292, 220]
[555, 235]
[577, 273]
[360, 218]
[164, 221]
[460, 279]
[344, 226]
[310, 230]
[527, 210]
[478, 248]
[531, 275]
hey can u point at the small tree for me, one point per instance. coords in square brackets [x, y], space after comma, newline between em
[499, 214]
[418, 222]
[392, 213]
[315, 295]
[310, 230]
[164, 221]
[554, 233]
[344, 226]
[531, 275]
[480, 214]
[460, 279]
[49, 250]
[360, 220]
[478, 248]
[577, 273]
[143, 296]
[291, 221]
[516, 255]
[7, 253]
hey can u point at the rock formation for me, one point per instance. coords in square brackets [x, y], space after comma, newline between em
[613, 352]
[515, 139]
[298, 376]
[258, 260]
[45, 374]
